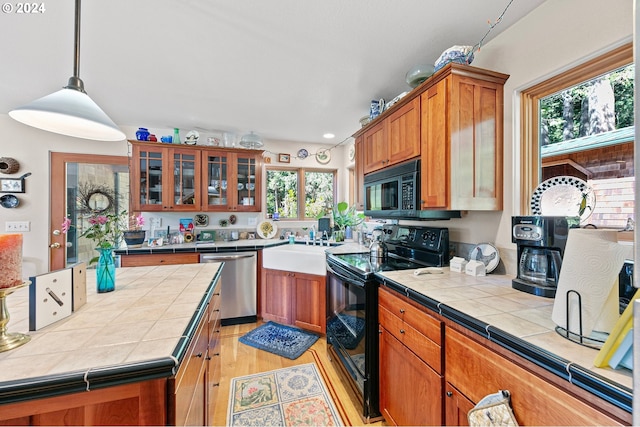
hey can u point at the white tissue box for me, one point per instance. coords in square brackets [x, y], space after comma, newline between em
[475, 268]
[457, 264]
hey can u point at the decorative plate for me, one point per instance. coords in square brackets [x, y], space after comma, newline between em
[302, 154]
[563, 196]
[487, 254]
[267, 229]
[352, 153]
[323, 156]
[232, 219]
[201, 220]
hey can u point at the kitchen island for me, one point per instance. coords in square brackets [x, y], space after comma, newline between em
[495, 337]
[143, 354]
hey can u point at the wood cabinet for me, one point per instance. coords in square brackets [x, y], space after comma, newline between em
[231, 180]
[293, 298]
[454, 123]
[140, 260]
[394, 139]
[411, 380]
[462, 140]
[476, 371]
[457, 406]
[193, 390]
[358, 184]
[167, 177]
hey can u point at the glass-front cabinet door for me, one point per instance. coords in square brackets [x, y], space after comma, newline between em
[216, 172]
[247, 182]
[185, 186]
[148, 167]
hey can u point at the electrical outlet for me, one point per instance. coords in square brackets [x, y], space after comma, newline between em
[17, 226]
[252, 221]
[155, 222]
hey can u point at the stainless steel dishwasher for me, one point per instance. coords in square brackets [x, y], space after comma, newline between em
[239, 286]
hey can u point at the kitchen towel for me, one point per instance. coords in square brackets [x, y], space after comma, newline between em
[590, 266]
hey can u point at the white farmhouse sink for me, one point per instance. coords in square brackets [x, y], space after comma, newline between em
[299, 258]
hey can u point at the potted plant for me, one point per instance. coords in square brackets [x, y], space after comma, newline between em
[345, 216]
[134, 236]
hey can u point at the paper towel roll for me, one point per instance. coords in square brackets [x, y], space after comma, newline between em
[590, 266]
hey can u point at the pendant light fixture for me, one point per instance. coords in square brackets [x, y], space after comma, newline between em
[70, 111]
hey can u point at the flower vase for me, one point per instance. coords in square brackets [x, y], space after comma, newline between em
[105, 271]
[338, 235]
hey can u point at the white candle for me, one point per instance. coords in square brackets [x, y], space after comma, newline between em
[10, 260]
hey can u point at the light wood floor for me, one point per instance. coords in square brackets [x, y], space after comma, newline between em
[239, 359]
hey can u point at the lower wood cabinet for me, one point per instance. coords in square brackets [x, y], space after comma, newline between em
[410, 391]
[411, 379]
[141, 260]
[293, 298]
[457, 406]
[433, 371]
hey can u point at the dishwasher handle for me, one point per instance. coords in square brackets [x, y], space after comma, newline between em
[208, 258]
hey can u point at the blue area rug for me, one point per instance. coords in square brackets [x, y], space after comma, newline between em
[347, 329]
[282, 340]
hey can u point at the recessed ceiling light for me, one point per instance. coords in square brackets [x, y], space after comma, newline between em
[329, 136]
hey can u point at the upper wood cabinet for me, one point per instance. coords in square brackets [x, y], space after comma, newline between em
[454, 123]
[462, 141]
[359, 174]
[393, 140]
[167, 177]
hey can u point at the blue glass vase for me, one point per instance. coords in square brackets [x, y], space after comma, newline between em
[105, 271]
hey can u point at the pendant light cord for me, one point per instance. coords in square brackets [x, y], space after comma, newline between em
[74, 81]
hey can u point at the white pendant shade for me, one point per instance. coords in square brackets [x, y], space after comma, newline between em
[69, 112]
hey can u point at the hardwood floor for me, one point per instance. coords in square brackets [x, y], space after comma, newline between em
[239, 359]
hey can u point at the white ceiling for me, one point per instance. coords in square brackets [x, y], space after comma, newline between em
[290, 70]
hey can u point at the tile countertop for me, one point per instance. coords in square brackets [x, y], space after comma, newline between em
[492, 301]
[145, 319]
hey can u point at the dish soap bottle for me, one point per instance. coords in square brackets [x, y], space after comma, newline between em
[312, 233]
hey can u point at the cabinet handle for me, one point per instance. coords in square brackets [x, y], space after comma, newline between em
[449, 393]
[402, 331]
[216, 354]
[216, 385]
[402, 310]
[207, 358]
[199, 354]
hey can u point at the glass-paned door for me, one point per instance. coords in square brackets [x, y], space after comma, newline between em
[246, 189]
[82, 185]
[184, 179]
[151, 185]
[217, 176]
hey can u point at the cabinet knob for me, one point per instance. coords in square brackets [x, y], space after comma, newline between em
[402, 310]
[216, 385]
[216, 354]
[199, 354]
[449, 393]
[207, 358]
[402, 331]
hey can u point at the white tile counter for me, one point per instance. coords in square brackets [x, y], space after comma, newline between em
[492, 301]
[144, 319]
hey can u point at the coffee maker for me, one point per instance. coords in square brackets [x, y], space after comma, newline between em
[541, 241]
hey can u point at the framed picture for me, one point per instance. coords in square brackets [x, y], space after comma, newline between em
[11, 185]
[284, 158]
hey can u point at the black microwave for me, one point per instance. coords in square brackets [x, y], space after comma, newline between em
[394, 193]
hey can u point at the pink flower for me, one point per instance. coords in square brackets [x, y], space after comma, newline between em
[66, 224]
[138, 221]
[98, 220]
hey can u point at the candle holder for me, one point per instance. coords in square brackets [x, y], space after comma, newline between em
[9, 341]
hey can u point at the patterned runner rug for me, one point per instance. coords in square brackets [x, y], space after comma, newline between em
[295, 396]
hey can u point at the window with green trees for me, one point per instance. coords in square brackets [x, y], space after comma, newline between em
[284, 187]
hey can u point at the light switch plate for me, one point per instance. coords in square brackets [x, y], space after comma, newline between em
[50, 298]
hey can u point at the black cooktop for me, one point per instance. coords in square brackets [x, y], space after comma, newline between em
[408, 248]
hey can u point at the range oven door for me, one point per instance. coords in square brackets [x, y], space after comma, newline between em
[352, 338]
